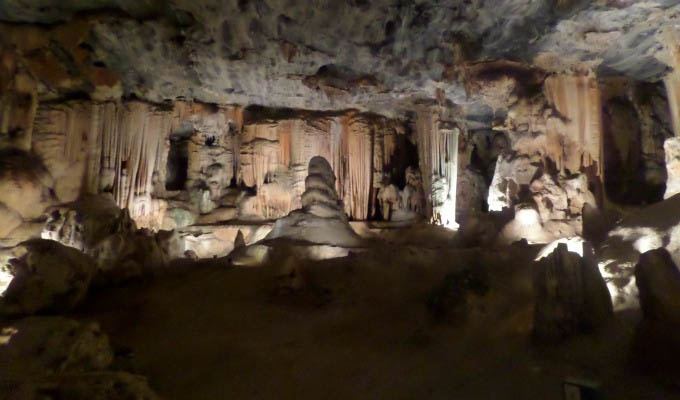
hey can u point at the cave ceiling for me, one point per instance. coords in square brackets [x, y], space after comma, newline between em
[383, 56]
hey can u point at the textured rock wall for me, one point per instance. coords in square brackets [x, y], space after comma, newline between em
[103, 147]
[637, 121]
[574, 137]
[136, 151]
[274, 157]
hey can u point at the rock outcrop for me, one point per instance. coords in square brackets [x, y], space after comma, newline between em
[657, 345]
[63, 358]
[96, 226]
[37, 346]
[658, 282]
[47, 276]
[571, 296]
[649, 228]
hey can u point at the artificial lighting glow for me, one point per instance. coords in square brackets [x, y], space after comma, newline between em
[623, 297]
[527, 216]
[643, 238]
[647, 243]
[6, 334]
[5, 279]
[574, 245]
[447, 214]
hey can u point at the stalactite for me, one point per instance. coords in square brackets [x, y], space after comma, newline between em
[426, 128]
[58, 139]
[358, 151]
[438, 157]
[265, 152]
[122, 148]
[575, 141]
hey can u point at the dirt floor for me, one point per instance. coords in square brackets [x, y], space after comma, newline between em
[357, 328]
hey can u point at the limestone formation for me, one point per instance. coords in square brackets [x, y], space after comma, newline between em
[571, 296]
[96, 226]
[321, 220]
[472, 193]
[671, 148]
[512, 174]
[658, 281]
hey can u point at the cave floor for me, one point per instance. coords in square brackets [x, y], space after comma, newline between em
[358, 328]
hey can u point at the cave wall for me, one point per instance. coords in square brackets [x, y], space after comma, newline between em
[128, 148]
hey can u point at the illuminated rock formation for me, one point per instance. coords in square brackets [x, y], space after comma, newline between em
[574, 137]
[96, 226]
[438, 158]
[321, 220]
[671, 149]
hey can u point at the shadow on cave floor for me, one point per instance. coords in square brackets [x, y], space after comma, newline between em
[355, 328]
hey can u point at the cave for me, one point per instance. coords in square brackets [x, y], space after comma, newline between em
[351, 199]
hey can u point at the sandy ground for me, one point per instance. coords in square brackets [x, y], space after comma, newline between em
[358, 328]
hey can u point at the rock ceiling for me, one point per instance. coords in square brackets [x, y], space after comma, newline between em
[381, 56]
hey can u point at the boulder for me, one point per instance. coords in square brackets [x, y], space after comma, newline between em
[53, 345]
[571, 296]
[48, 276]
[657, 338]
[658, 282]
[60, 358]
